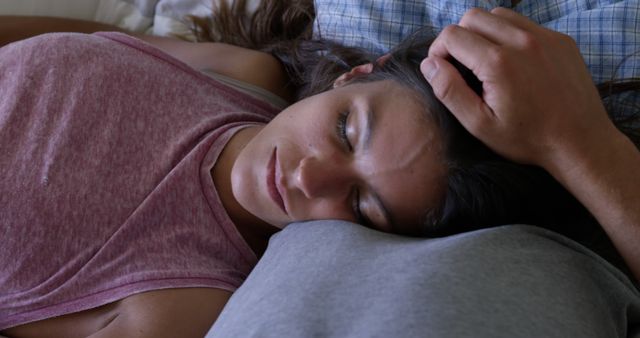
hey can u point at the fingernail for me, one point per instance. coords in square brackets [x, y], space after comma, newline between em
[428, 68]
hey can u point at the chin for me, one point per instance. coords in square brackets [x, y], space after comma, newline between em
[275, 224]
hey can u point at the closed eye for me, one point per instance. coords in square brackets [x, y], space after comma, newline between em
[341, 130]
[356, 209]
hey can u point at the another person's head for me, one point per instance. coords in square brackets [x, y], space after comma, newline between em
[366, 152]
[433, 176]
[317, 160]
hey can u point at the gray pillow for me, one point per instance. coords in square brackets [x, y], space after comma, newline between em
[338, 279]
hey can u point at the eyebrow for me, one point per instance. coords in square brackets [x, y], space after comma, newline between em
[368, 131]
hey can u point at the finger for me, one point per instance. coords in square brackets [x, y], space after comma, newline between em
[451, 89]
[516, 19]
[494, 28]
[465, 46]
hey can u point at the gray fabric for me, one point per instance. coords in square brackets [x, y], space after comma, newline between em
[337, 279]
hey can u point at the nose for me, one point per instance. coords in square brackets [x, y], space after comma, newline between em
[316, 177]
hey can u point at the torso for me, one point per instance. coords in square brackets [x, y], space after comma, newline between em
[88, 322]
[80, 324]
[186, 309]
[190, 312]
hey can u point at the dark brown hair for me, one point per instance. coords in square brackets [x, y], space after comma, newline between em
[482, 188]
[283, 29]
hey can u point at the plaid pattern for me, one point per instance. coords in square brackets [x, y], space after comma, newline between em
[607, 32]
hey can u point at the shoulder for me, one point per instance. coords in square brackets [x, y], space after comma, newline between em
[246, 65]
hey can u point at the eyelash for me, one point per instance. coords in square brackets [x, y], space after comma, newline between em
[356, 207]
[341, 129]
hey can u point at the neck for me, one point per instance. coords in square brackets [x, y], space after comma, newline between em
[254, 231]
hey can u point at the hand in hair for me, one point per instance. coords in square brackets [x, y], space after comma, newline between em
[539, 106]
[537, 93]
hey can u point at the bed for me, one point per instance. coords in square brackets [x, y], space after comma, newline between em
[338, 279]
[156, 17]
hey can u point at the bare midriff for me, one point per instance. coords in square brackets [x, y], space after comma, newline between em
[190, 311]
[79, 324]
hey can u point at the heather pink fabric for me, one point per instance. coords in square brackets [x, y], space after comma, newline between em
[106, 147]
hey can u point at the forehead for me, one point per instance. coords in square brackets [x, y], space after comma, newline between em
[389, 89]
[404, 163]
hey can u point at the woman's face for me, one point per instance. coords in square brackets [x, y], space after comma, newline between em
[385, 174]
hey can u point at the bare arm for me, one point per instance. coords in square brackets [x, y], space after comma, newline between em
[250, 66]
[602, 175]
[247, 65]
[561, 125]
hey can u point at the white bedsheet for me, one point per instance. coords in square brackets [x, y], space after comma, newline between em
[157, 17]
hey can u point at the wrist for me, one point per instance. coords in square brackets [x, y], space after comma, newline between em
[596, 153]
[600, 174]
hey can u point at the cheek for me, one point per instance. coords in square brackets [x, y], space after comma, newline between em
[304, 130]
[325, 209]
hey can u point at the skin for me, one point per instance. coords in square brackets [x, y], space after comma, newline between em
[567, 133]
[181, 312]
[318, 174]
[187, 312]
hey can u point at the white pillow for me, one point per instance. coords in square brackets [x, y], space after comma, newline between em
[135, 16]
[158, 17]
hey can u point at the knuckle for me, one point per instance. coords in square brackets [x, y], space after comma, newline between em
[471, 15]
[442, 88]
[449, 30]
[527, 40]
[500, 63]
[499, 11]
[496, 56]
[475, 11]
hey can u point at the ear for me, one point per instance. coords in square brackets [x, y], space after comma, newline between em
[356, 71]
[383, 59]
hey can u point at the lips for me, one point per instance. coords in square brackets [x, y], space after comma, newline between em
[272, 187]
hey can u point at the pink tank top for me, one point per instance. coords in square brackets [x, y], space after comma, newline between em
[106, 147]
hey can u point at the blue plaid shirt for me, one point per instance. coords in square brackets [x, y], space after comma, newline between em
[607, 32]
